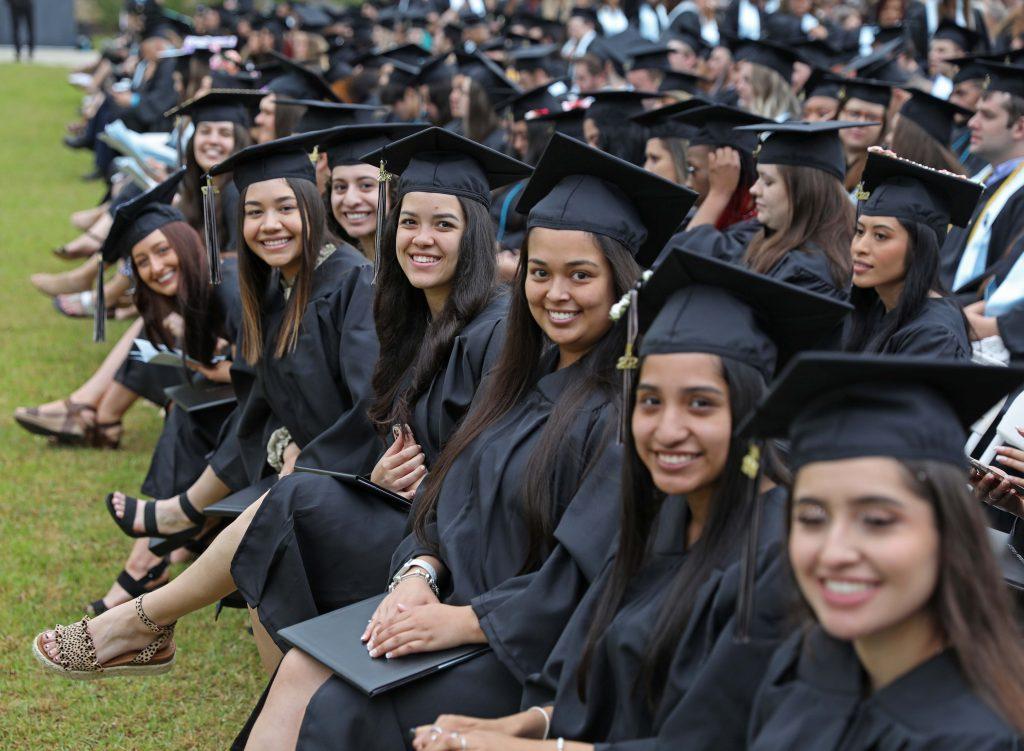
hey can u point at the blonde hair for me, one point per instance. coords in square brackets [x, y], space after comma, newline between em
[773, 95]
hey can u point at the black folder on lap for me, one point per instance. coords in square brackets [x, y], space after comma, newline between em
[333, 640]
[234, 504]
[399, 502]
[193, 398]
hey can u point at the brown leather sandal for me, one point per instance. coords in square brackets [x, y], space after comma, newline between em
[70, 427]
[105, 435]
[76, 655]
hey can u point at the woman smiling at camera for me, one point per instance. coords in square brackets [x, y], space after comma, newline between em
[651, 650]
[913, 644]
[500, 554]
[899, 307]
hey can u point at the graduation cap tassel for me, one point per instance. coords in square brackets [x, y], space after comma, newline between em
[383, 178]
[751, 467]
[99, 321]
[180, 140]
[210, 229]
[629, 362]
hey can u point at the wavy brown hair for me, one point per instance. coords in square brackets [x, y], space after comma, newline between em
[519, 367]
[254, 275]
[820, 215]
[414, 346]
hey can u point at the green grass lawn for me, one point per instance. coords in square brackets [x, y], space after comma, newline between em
[58, 548]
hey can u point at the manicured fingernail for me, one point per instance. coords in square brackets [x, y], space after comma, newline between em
[373, 653]
[397, 431]
[387, 656]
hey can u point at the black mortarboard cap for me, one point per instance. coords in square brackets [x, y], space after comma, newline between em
[219, 105]
[966, 39]
[323, 115]
[436, 160]
[969, 68]
[868, 90]
[578, 187]
[887, 34]
[801, 144]
[817, 53]
[487, 74]
[283, 158]
[410, 54]
[1005, 78]
[695, 303]
[403, 75]
[715, 125]
[689, 35]
[662, 122]
[616, 105]
[586, 13]
[311, 17]
[137, 218]
[649, 57]
[836, 406]
[536, 56]
[538, 98]
[906, 190]
[348, 144]
[435, 70]
[299, 82]
[934, 116]
[568, 122]
[822, 83]
[880, 64]
[773, 55]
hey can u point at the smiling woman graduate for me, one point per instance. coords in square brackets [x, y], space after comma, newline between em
[913, 645]
[513, 521]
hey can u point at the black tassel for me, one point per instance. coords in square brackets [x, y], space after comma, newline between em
[751, 467]
[629, 362]
[210, 229]
[180, 140]
[99, 321]
[383, 178]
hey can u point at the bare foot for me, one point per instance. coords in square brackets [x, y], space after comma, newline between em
[60, 284]
[169, 516]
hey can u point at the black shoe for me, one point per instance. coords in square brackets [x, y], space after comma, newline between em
[94, 175]
[78, 142]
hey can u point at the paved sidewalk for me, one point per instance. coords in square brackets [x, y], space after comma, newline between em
[67, 57]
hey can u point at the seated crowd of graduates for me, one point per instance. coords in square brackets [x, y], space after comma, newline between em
[634, 348]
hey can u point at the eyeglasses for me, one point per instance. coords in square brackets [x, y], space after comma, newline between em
[858, 116]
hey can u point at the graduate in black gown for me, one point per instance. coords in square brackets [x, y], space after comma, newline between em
[307, 338]
[899, 305]
[913, 644]
[649, 659]
[316, 544]
[515, 518]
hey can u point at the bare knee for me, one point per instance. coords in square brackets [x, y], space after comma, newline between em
[300, 673]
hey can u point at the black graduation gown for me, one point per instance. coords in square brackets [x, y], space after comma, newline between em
[316, 545]
[939, 331]
[727, 244]
[480, 536]
[813, 699]
[1007, 226]
[711, 680]
[188, 438]
[321, 390]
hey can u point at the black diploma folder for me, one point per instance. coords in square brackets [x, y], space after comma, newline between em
[234, 504]
[333, 640]
[205, 395]
[399, 502]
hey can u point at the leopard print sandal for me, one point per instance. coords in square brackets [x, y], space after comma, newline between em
[76, 655]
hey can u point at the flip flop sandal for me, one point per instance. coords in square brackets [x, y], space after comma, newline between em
[76, 653]
[134, 587]
[72, 427]
[149, 520]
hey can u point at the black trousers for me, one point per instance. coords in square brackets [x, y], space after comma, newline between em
[21, 12]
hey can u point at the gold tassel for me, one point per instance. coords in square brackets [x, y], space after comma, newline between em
[629, 362]
[751, 468]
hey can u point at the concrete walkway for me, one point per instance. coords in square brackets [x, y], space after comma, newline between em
[66, 57]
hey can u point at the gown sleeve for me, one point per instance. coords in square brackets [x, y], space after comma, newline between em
[349, 313]
[726, 245]
[524, 616]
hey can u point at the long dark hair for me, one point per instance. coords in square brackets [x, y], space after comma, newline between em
[480, 120]
[624, 140]
[414, 346]
[254, 275]
[721, 536]
[970, 601]
[820, 215]
[192, 301]
[921, 280]
[518, 368]
[190, 193]
[910, 141]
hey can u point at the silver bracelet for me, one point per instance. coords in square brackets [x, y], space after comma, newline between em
[421, 574]
[423, 564]
[547, 721]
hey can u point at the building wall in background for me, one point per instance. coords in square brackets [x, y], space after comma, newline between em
[54, 23]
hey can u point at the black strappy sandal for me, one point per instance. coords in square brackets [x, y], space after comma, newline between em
[134, 587]
[149, 520]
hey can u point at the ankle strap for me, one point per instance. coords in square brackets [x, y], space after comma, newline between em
[195, 515]
[147, 621]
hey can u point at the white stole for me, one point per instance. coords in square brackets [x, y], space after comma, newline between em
[972, 263]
